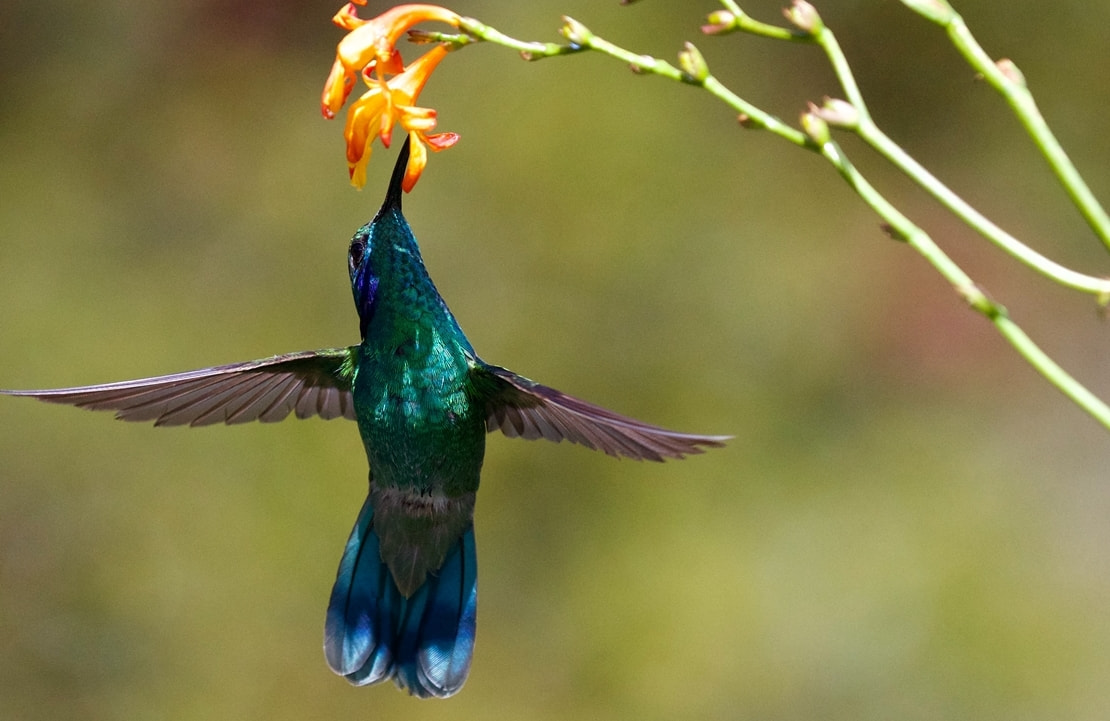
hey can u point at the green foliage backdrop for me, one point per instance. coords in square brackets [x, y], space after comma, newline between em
[910, 523]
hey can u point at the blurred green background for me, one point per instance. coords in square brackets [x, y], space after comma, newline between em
[910, 524]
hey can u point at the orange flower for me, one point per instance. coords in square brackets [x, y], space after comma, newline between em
[371, 44]
[390, 102]
[369, 50]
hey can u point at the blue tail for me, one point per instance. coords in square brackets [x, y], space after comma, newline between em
[373, 633]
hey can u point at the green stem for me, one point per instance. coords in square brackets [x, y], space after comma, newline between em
[886, 147]
[752, 115]
[1021, 100]
[748, 24]
[923, 244]
[1005, 78]
[639, 63]
[475, 29]
[839, 61]
[882, 143]
[581, 38]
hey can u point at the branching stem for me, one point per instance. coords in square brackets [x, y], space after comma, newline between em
[814, 136]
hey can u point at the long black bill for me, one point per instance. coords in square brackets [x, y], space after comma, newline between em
[393, 195]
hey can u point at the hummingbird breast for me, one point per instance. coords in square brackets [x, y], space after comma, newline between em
[425, 440]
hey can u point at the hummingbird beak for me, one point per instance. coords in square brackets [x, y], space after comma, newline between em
[393, 195]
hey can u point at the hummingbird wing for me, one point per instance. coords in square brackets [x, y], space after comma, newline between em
[522, 408]
[307, 383]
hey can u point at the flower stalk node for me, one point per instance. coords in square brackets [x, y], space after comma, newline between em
[1012, 72]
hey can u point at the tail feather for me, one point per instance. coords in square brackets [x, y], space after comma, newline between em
[373, 633]
[438, 641]
[359, 637]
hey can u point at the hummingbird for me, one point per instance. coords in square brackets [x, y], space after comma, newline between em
[404, 602]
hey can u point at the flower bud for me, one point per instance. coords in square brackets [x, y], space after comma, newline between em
[804, 16]
[815, 126]
[719, 23]
[693, 63]
[575, 32]
[837, 112]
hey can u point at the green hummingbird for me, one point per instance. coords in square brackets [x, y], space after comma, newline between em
[404, 601]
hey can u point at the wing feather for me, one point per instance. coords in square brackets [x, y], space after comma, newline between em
[522, 408]
[308, 383]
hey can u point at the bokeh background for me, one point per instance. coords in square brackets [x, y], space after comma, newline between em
[909, 524]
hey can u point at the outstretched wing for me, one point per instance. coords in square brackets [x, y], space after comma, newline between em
[520, 407]
[306, 383]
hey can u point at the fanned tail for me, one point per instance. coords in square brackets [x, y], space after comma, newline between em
[373, 633]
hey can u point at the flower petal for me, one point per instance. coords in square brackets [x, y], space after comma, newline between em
[419, 119]
[418, 158]
[408, 84]
[441, 141]
[377, 37]
[395, 22]
[362, 124]
[347, 17]
[357, 170]
[336, 89]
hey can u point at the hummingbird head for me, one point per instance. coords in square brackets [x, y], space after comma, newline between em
[364, 284]
[364, 279]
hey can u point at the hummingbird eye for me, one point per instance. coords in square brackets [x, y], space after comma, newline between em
[356, 253]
